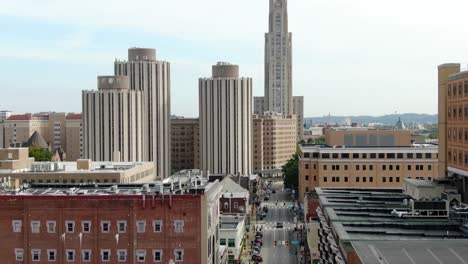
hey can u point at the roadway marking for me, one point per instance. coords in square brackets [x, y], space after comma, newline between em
[458, 256]
[409, 257]
[434, 255]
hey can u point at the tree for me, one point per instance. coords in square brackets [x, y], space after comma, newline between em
[291, 172]
[40, 154]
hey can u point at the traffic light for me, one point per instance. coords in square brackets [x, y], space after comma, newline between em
[276, 243]
[245, 246]
[287, 243]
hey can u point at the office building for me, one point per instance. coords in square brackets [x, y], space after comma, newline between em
[74, 137]
[364, 226]
[225, 102]
[112, 121]
[185, 145]
[172, 221]
[370, 167]
[274, 143]
[367, 137]
[298, 111]
[152, 78]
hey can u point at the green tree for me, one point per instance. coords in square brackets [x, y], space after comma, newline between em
[40, 154]
[291, 172]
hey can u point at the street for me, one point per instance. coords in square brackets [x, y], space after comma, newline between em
[279, 211]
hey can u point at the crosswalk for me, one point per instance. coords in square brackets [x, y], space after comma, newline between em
[272, 226]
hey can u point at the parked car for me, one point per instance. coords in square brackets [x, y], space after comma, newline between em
[259, 241]
[259, 236]
[257, 258]
[266, 198]
[279, 225]
[273, 191]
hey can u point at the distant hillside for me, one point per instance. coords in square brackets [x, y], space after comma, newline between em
[386, 119]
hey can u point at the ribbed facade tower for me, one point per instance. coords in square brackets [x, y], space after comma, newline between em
[225, 102]
[152, 79]
[111, 121]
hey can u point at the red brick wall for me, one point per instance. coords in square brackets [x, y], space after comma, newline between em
[312, 204]
[96, 209]
[232, 210]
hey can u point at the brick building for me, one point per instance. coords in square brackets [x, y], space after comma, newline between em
[175, 220]
[185, 144]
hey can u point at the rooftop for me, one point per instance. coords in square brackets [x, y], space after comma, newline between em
[320, 147]
[71, 167]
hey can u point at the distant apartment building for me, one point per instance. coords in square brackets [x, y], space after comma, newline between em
[15, 163]
[17, 129]
[274, 143]
[365, 137]
[74, 137]
[453, 125]
[225, 102]
[185, 143]
[298, 112]
[111, 223]
[5, 114]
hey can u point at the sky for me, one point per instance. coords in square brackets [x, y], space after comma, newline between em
[360, 57]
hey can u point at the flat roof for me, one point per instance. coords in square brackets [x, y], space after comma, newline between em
[448, 251]
[413, 147]
[366, 214]
[420, 183]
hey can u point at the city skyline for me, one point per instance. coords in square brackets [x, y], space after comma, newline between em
[78, 48]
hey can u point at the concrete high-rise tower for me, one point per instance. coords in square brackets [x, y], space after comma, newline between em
[278, 60]
[225, 102]
[152, 78]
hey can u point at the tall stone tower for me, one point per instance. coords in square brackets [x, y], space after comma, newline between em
[278, 60]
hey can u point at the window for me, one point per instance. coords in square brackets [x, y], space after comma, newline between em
[325, 155]
[357, 167]
[390, 167]
[86, 255]
[397, 179]
[70, 255]
[226, 205]
[325, 179]
[307, 177]
[157, 255]
[364, 179]
[390, 155]
[51, 226]
[19, 254]
[346, 179]
[428, 155]
[419, 155]
[357, 178]
[409, 155]
[35, 226]
[384, 167]
[307, 166]
[222, 241]
[231, 242]
[429, 167]
[371, 167]
[355, 155]
[51, 254]
[105, 255]
[335, 155]
[364, 155]
[381, 155]
[70, 226]
[157, 225]
[397, 167]
[324, 167]
[105, 226]
[140, 255]
[141, 226]
[409, 167]
[35, 254]
[371, 179]
[122, 226]
[179, 224]
[345, 155]
[345, 167]
[16, 224]
[390, 179]
[384, 179]
[86, 226]
[399, 155]
[179, 255]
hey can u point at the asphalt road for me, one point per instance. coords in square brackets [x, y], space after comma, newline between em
[280, 212]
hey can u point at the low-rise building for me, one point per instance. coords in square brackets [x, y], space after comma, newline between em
[232, 235]
[175, 221]
[370, 167]
[234, 199]
[15, 163]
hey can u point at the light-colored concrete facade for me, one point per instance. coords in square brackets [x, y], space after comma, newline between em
[274, 143]
[278, 60]
[371, 167]
[364, 137]
[152, 79]
[112, 121]
[225, 102]
[298, 111]
[185, 153]
[17, 129]
[74, 137]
